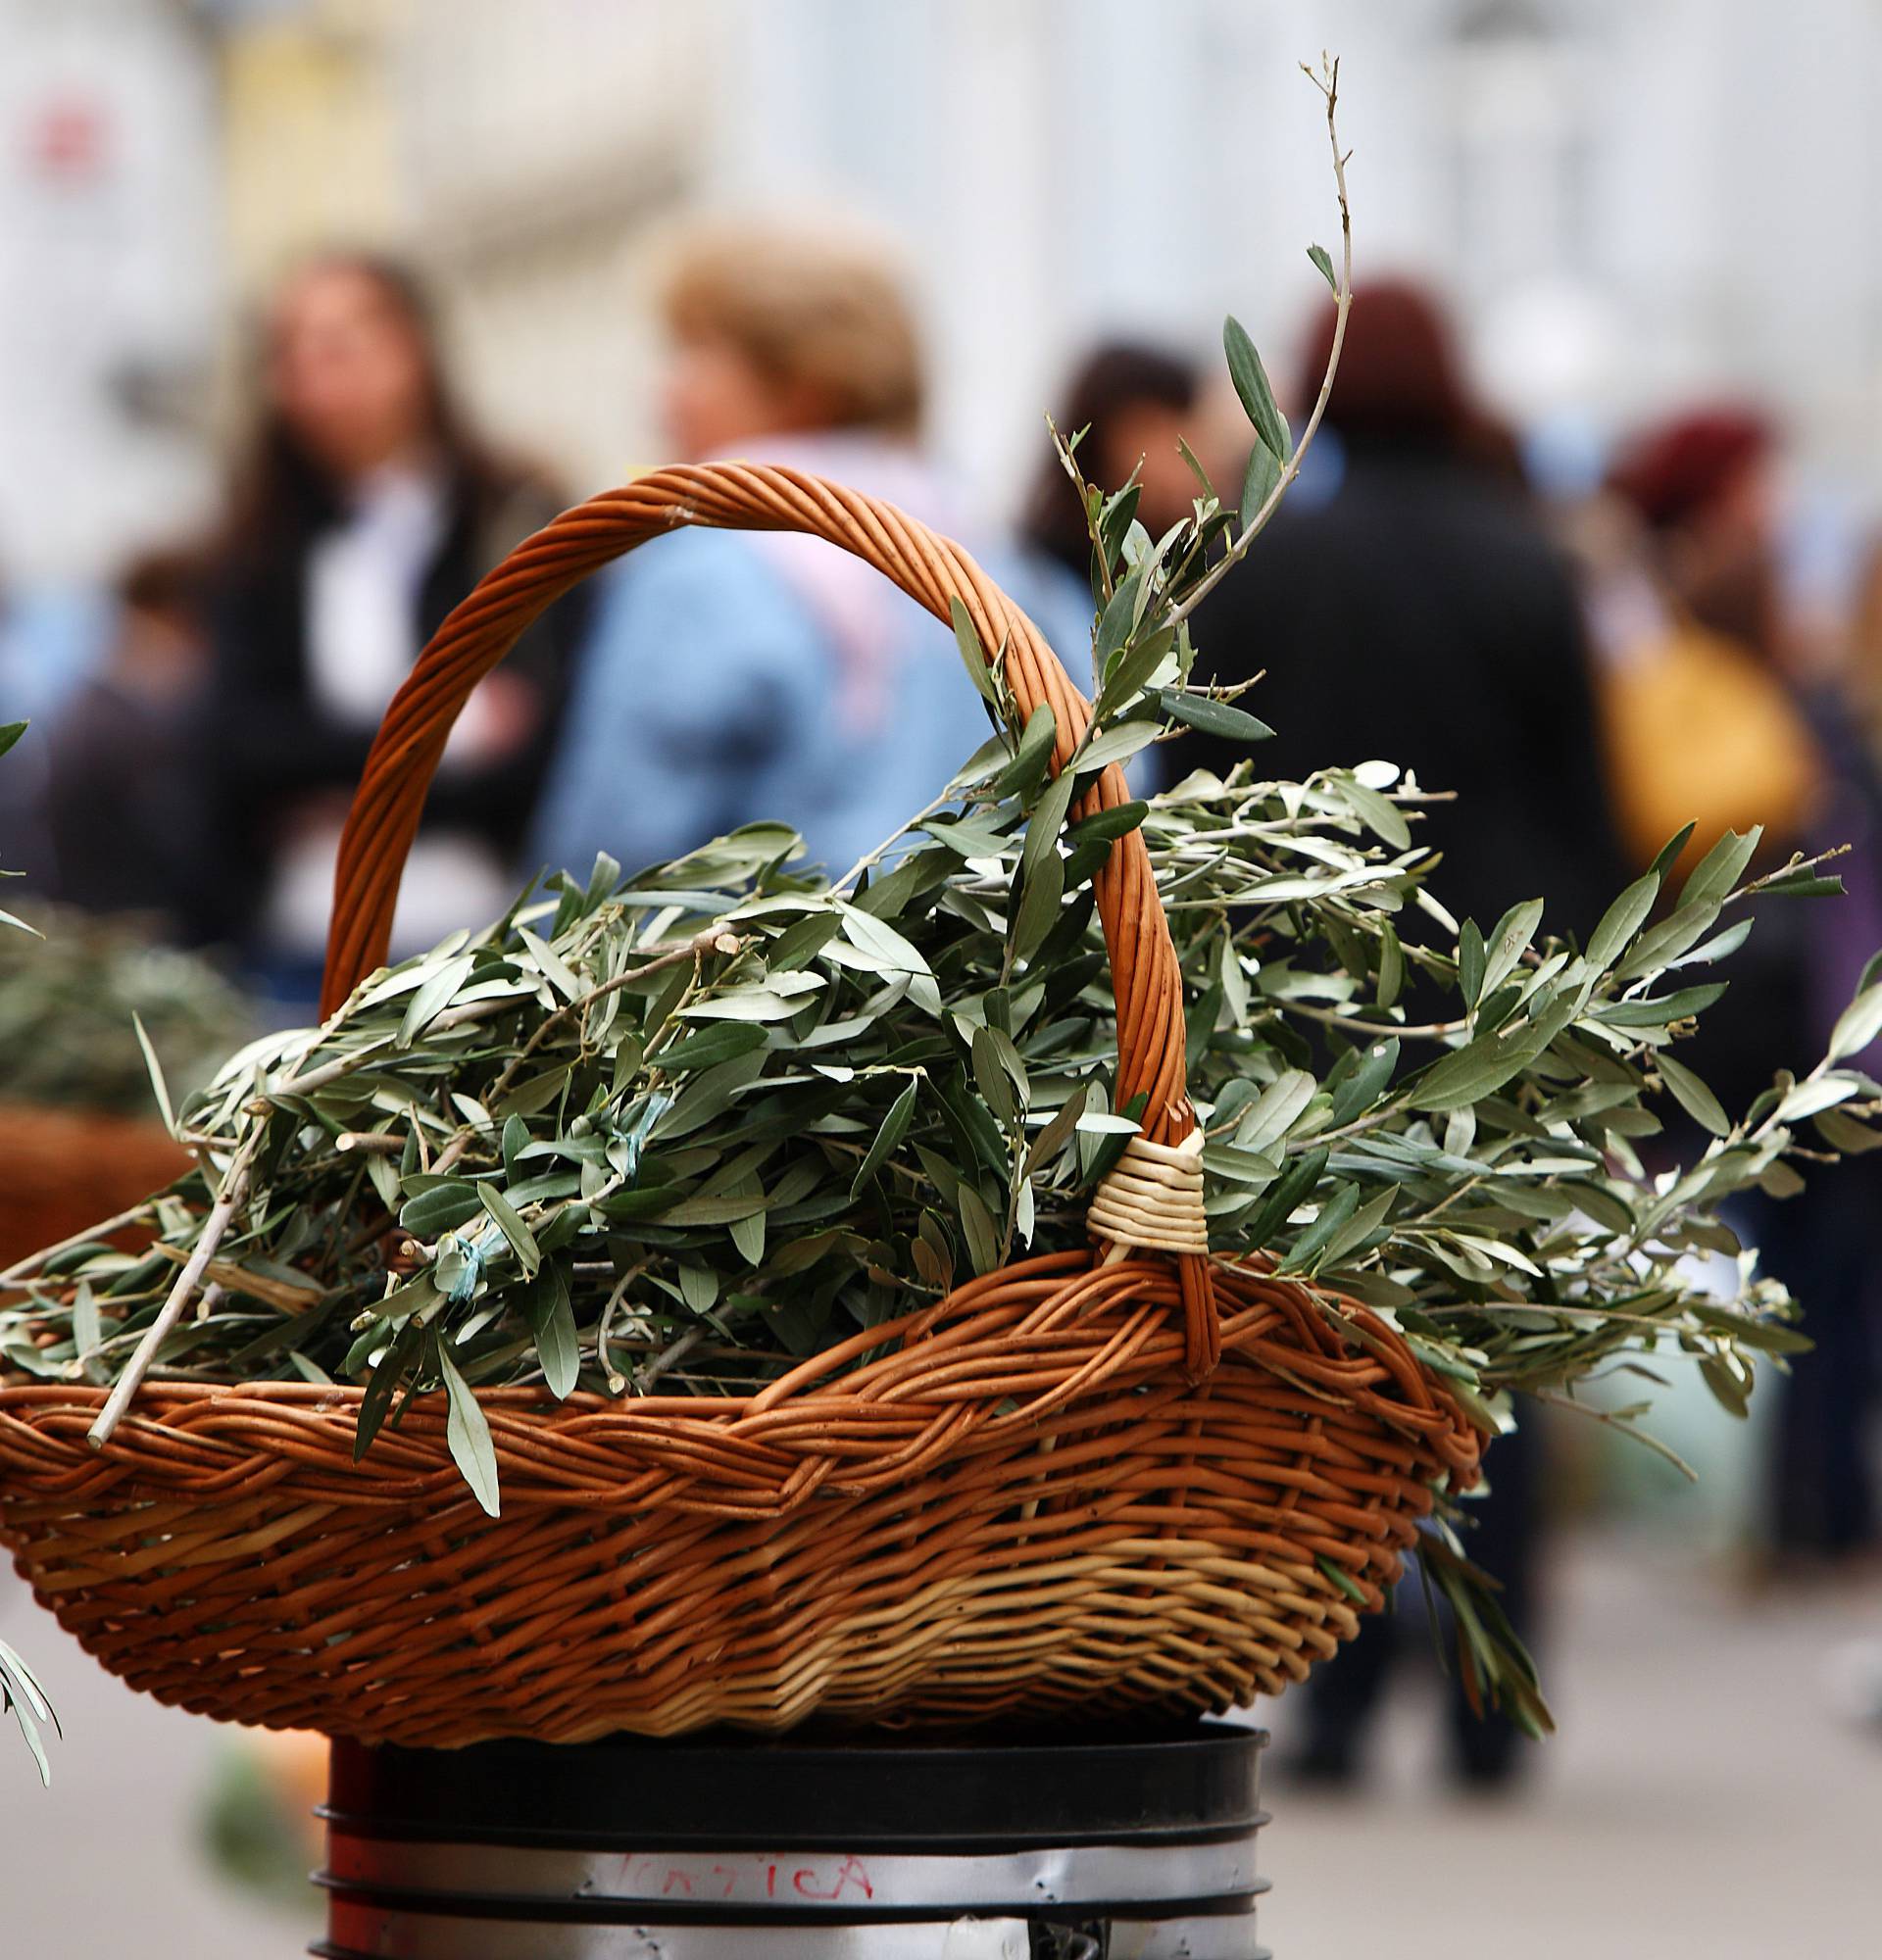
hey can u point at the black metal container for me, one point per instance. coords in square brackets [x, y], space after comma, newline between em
[872, 1849]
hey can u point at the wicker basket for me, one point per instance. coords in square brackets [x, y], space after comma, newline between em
[63, 1170]
[1090, 1483]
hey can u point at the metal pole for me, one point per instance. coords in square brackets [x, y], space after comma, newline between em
[864, 1848]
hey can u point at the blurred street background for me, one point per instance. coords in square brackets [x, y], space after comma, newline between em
[1631, 201]
[310, 309]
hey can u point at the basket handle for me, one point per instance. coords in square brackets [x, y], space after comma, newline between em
[931, 571]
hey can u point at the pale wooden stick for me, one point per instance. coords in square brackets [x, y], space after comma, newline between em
[234, 1190]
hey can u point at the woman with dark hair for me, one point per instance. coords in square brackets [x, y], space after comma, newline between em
[366, 509]
[1137, 401]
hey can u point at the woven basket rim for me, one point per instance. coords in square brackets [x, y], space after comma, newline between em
[1132, 1340]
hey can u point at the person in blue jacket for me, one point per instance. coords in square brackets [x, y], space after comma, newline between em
[730, 677]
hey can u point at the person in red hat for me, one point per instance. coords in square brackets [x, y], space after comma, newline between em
[1714, 716]
[1704, 485]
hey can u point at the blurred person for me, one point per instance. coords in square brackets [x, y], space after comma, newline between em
[366, 508]
[124, 813]
[52, 639]
[1415, 611]
[1865, 650]
[1137, 402]
[1711, 705]
[1683, 571]
[1704, 721]
[736, 676]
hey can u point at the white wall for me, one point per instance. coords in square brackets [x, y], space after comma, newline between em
[108, 300]
[1633, 200]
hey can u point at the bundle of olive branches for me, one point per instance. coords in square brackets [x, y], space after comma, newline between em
[691, 1128]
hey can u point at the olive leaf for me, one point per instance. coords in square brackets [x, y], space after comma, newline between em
[469, 1435]
[1244, 370]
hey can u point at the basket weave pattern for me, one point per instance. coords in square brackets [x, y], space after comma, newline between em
[1085, 1483]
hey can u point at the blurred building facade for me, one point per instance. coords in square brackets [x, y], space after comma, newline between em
[1631, 198]
[108, 279]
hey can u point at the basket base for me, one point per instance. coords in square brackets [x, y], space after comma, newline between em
[729, 1849]
[911, 1544]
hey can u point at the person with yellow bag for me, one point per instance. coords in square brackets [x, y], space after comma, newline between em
[1700, 724]
[1698, 730]
[1708, 718]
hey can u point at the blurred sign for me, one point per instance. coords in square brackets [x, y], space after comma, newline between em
[68, 140]
[108, 248]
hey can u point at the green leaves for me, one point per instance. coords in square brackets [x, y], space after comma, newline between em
[469, 1435]
[1509, 942]
[1622, 921]
[976, 1221]
[1104, 824]
[1843, 1133]
[521, 1240]
[1044, 826]
[1042, 871]
[1260, 478]
[1244, 370]
[442, 1206]
[1662, 1012]
[1470, 962]
[1028, 769]
[973, 656]
[159, 1087]
[19, 1687]
[1721, 870]
[1212, 717]
[1698, 1101]
[93, 1020]
[1859, 1023]
[1367, 1081]
[1040, 896]
[1486, 1064]
[1113, 629]
[1333, 1216]
[1380, 813]
[431, 996]
[1323, 265]
[1391, 966]
[552, 1320]
[1126, 676]
[1275, 1110]
[1301, 1178]
[707, 1049]
[895, 1126]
